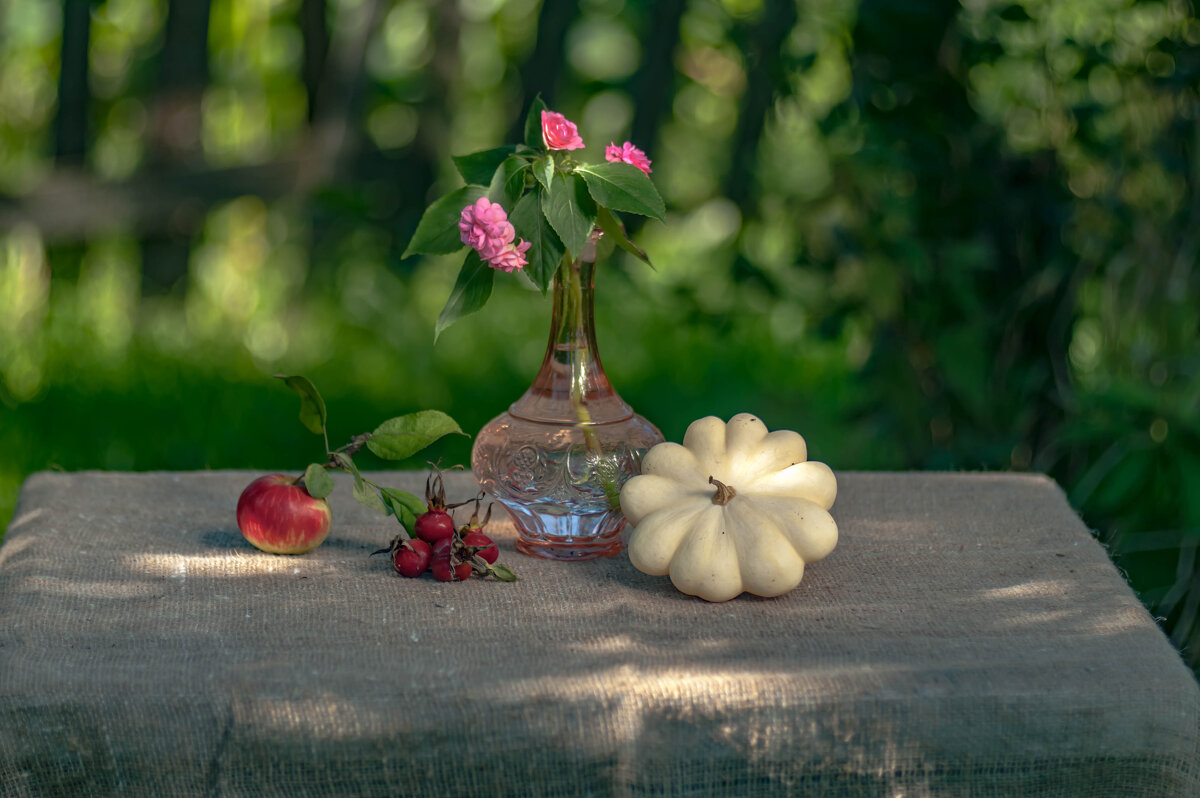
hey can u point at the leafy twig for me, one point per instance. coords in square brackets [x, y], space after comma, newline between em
[394, 439]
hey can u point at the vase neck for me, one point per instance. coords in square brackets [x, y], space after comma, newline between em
[571, 385]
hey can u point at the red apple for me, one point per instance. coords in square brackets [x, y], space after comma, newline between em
[277, 515]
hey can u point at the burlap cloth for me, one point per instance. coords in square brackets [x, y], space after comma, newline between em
[967, 637]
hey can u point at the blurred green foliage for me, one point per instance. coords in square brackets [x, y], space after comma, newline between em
[926, 235]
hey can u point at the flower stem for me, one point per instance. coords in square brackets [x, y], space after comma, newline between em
[574, 339]
[573, 334]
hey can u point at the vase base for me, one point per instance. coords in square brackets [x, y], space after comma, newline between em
[545, 530]
[569, 552]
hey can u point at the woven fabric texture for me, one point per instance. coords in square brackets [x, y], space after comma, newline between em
[968, 637]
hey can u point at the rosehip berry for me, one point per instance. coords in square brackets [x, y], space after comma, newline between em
[411, 558]
[443, 565]
[434, 525]
[488, 551]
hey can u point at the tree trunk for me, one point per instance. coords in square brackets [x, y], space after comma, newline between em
[539, 74]
[175, 136]
[182, 78]
[70, 124]
[315, 31]
[764, 82]
[652, 87]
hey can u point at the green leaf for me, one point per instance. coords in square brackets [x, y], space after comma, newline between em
[502, 572]
[570, 211]
[312, 406]
[404, 436]
[622, 187]
[437, 232]
[317, 481]
[407, 519]
[470, 292]
[533, 125]
[478, 167]
[508, 182]
[365, 494]
[401, 498]
[545, 250]
[345, 461]
[543, 170]
[368, 497]
[405, 506]
[615, 231]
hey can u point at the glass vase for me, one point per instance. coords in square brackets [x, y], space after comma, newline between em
[556, 460]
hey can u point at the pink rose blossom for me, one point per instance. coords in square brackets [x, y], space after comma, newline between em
[627, 153]
[560, 133]
[511, 258]
[483, 222]
[484, 226]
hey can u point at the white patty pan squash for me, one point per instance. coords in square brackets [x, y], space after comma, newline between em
[735, 508]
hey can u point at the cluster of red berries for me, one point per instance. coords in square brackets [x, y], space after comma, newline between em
[451, 554]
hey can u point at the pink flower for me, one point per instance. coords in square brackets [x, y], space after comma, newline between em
[484, 226]
[560, 133]
[627, 153]
[483, 222]
[511, 258]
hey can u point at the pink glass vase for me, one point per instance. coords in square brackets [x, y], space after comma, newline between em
[558, 458]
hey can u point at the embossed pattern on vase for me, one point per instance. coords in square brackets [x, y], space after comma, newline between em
[573, 477]
[559, 492]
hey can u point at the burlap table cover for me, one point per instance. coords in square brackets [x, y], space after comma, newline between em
[967, 637]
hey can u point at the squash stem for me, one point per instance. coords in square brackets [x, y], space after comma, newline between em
[724, 493]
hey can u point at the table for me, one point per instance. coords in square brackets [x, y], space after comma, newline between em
[968, 637]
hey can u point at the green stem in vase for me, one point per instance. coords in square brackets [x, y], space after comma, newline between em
[573, 339]
[572, 336]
